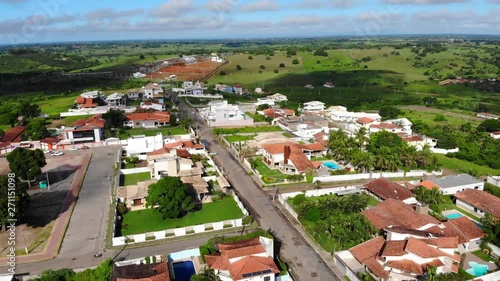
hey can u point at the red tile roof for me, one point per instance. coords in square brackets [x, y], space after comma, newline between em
[155, 116]
[406, 266]
[161, 151]
[93, 121]
[367, 253]
[413, 138]
[80, 100]
[394, 248]
[443, 242]
[422, 249]
[49, 140]
[385, 126]
[297, 156]
[427, 184]
[365, 120]
[89, 103]
[496, 133]
[13, 134]
[462, 228]
[385, 188]
[248, 262]
[396, 213]
[481, 200]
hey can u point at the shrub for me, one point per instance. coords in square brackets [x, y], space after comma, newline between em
[295, 61]
[190, 232]
[129, 240]
[247, 220]
[238, 67]
[282, 65]
[222, 73]
[169, 234]
[276, 71]
[268, 58]
[121, 208]
[153, 258]
[440, 118]
[299, 199]
[228, 225]
[148, 260]
[262, 66]
[313, 214]
[209, 228]
[150, 238]
[250, 57]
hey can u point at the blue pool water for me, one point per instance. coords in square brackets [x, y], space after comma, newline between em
[183, 270]
[453, 216]
[477, 269]
[330, 165]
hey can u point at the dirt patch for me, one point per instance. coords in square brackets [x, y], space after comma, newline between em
[192, 72]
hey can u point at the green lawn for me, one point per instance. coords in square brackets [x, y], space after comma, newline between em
[480, 254]
[238, 138]
[373, 201]
[132, 179]
[68, 121]
[470, 215]
[256, 117]
[446, 204]
[463, 166]
[150, 220]
[267, 172]
[166, 131]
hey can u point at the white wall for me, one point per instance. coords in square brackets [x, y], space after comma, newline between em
[470, 208]
[456, 189]
[352, 177]
[134, 171]
[444, 151]
[494, 180]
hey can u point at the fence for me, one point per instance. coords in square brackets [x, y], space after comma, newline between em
[134, 171]
[365, 176]
[444, 151]
[182, 231]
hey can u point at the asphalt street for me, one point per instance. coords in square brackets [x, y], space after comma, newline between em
[304, 261]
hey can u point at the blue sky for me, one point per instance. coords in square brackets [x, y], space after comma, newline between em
[32, 21]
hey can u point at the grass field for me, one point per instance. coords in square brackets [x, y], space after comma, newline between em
[151, 220]
[427, 115]
[166, 131]
[267, 172]
[462, 166]
[68, 121]
[256, 117]
[132, 179]
[238, 138]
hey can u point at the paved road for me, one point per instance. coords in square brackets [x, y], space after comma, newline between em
[302, 258]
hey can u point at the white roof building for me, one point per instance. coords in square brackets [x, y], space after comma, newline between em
[314, 106]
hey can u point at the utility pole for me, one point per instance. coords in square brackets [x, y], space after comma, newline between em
[48, 184]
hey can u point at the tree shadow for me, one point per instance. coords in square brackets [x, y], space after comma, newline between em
[44, 208]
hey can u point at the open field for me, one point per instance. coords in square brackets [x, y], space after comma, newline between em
[187, 72]
[151, 220]
[462, 166]
[428, 114]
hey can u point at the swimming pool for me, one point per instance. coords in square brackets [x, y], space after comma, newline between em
[477, 269]
[184, 270]
[330, 165]
[453, 216]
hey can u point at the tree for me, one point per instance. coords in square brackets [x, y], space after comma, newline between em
[114, 119]
[29, 110]
[317, 185]
[26, 164]
[295, 61]
[21, 199]
[262, 66]
[263, 107]
[141, 57]
[250, 57]
[389, 112]
[56, 275]
[320, 52]
[362, 137]
[282, 65]
[206, 274]
[2, 133]
[222, 73]
[173, 120]
[238, 67]
[171, 196]
[490, 125]
[36, 130]
[186, 123]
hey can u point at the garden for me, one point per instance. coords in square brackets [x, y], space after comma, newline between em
[335, 222]
[132, 179]
[147, 220]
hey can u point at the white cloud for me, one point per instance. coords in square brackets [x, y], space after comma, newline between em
[173, 8]
[259, 6]
[424, 2]
[112, 13]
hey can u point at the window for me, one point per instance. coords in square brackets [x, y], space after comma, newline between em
[267, 278]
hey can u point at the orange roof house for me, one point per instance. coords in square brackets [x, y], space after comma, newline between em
[427, 184]
[293, 154]
[482, 201]
[93, 121]
[141, 272]
[244, 259]
[385, 188]
[13, 134]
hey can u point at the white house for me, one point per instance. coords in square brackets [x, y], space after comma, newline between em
[307, 131]
[138, 75]
[495, 135]
[151, 90]
[116, 99]
[451, 185]
[134, 94]
[153, 105]
[221, 114]
[403, 123]
[494, 180]
[389, 127]
[278, 97]
[486, 115]
[147, 119]
[248, 260]
[140, 145]
[238, 89]
[261, 101]
[258, 90]
[92, 95]
[313, 106]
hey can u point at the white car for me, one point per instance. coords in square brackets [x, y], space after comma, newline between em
[213, 153]
[58, 153]
[74, 148]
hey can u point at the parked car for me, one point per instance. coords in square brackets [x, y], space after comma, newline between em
[74, 148]
[213, 153]
[58, 153]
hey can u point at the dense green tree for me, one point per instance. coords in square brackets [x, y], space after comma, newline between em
[490, 125]
[64, 274]
[114, 118]
[385, 138]
[28, 109]
[36, 130]
[389, 112]
[186, 123]
[173, 120]
[428, 196]
[491, 228]
[295, 61]
[238, 67]
[17, 196]
[281, 65]
[25, 163]
[171, 196]
[263, 107]
[2, 133]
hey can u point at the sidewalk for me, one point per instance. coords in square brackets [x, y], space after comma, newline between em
[51, 249]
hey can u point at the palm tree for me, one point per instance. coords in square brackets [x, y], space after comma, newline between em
[361, 137]
[381, 159]
[393, 162]
[363, 161]
[408, 156]
[206, 275]
[317, 186]
[186, 123]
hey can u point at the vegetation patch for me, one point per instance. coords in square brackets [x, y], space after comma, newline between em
[132, 179]
[148, 220]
